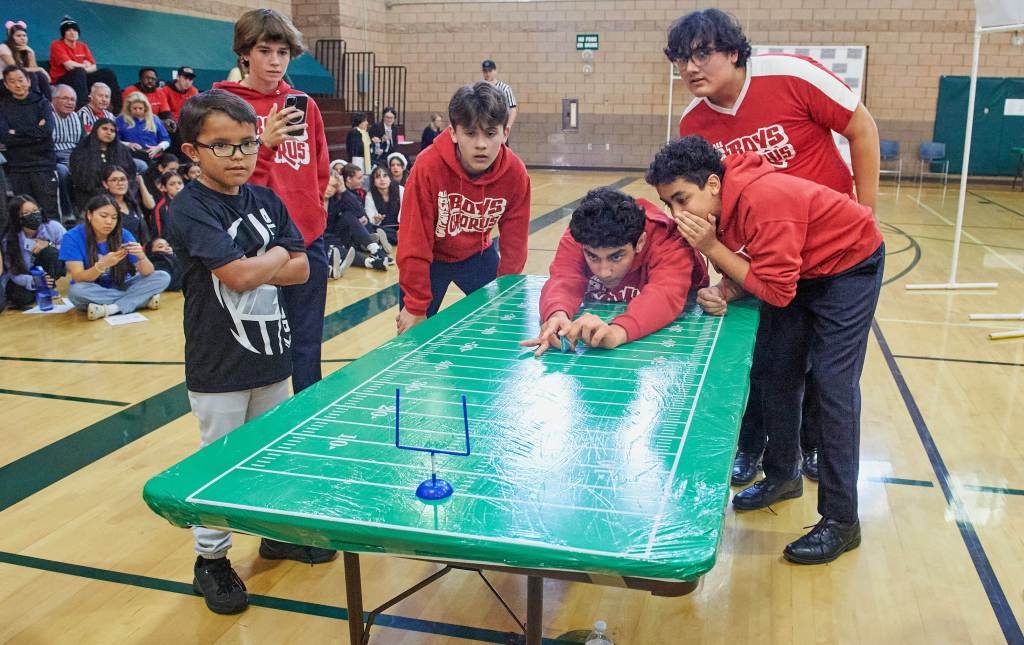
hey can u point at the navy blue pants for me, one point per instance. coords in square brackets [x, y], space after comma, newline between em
[826, 328]
[469, 275]
[304, 304]
[753, 436]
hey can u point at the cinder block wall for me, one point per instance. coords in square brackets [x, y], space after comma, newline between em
[623, 103]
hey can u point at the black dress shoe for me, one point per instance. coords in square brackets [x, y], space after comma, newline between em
[827, 541]
[766, 492]
[744, 467]
[810, 465]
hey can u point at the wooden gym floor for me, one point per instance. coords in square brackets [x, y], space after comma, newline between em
[91, 411]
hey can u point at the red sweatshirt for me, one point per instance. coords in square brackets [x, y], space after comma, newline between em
[790, 228]
[447, 216]
[297, 171]
[175, 99]
[655, 286]
[60, 53]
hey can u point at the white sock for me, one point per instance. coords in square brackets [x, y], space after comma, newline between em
[373, 247]
[113, 310]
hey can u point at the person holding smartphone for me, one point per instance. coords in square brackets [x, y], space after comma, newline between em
[292, 162]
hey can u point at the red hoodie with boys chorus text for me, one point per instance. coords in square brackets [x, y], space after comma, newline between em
[297, 171]
[448, 216]
[655, 286]
[790, 228]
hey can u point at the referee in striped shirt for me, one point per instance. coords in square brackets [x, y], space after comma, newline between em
[490, 71]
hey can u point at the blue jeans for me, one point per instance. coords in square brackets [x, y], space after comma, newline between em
[469, 275]
[136, 291]
[304, 304]
[826, 328]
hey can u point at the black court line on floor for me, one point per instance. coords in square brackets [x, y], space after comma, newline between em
[992, 201]
[82, 361]
[957, 360]
[62, 397]
[996, 597]
[269, 602]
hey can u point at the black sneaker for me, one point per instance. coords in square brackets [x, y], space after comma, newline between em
[274, 550]
[220, 586]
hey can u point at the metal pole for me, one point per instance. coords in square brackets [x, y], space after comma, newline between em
[967, 156]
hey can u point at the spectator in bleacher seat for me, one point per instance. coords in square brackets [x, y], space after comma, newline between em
[432, 130]
[337, 165]
[190, 172]
[72, 63]
[110, 272]
[144, 134]
[358, 143]
[167, 162]
[96, 107]
[15, 51]
[26, 129]
[169, 185]
[31, 240]
[176, 93]
[149, 86]
[133, 219]
[384, 136]
[398, 168]
[237, 73]
[67, 132]
[384, 203]
[100, 148]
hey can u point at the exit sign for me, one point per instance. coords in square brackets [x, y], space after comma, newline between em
[586, 41]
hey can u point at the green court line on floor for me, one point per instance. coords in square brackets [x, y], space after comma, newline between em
[924, 483]
[62, 397]
[79, 361]
[992, 489]
[268, 602]
[48, 465]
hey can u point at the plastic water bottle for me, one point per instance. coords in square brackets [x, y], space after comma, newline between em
[44, 298]
[599, 635]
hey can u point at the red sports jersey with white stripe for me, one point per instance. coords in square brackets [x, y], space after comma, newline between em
[786, 112]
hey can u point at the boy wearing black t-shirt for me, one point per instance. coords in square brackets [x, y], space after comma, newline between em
[237, 247]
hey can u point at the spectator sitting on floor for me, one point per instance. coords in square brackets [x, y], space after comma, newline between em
[26, 129]
[149, 86]
[15, 51]
[31, 240]
[346, 221]
[162, 256]
[110, 272]
[101, 148]
[384, 203]
[432, 130]
[133, 219]
[141, 132]
[72, 63]
[167, 162]
[398, 168]
[97, 107]
[190, 172]
[337, 165]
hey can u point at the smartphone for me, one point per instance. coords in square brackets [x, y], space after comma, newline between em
[300, 101]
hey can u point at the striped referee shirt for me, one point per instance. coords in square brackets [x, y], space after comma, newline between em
[89, 117]
[503, 87]
[67, 132]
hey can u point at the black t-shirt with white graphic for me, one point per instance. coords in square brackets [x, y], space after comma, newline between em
[233, 340]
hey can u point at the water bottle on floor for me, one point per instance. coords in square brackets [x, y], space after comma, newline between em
[599, 636]
[44, 299]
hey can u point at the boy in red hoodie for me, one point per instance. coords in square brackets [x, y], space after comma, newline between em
[293, 163]
[460, 187]
[616, 249]
[815, 258]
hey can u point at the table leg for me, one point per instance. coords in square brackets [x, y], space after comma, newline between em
[534, 609]
[354, 598]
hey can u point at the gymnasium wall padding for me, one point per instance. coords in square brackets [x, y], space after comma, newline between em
[995, 133]
[124, 40]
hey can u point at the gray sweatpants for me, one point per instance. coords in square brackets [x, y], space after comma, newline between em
[218, 415]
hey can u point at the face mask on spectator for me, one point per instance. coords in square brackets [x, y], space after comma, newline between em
[32, 221]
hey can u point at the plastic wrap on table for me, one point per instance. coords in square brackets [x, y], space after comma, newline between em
[610, 462]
